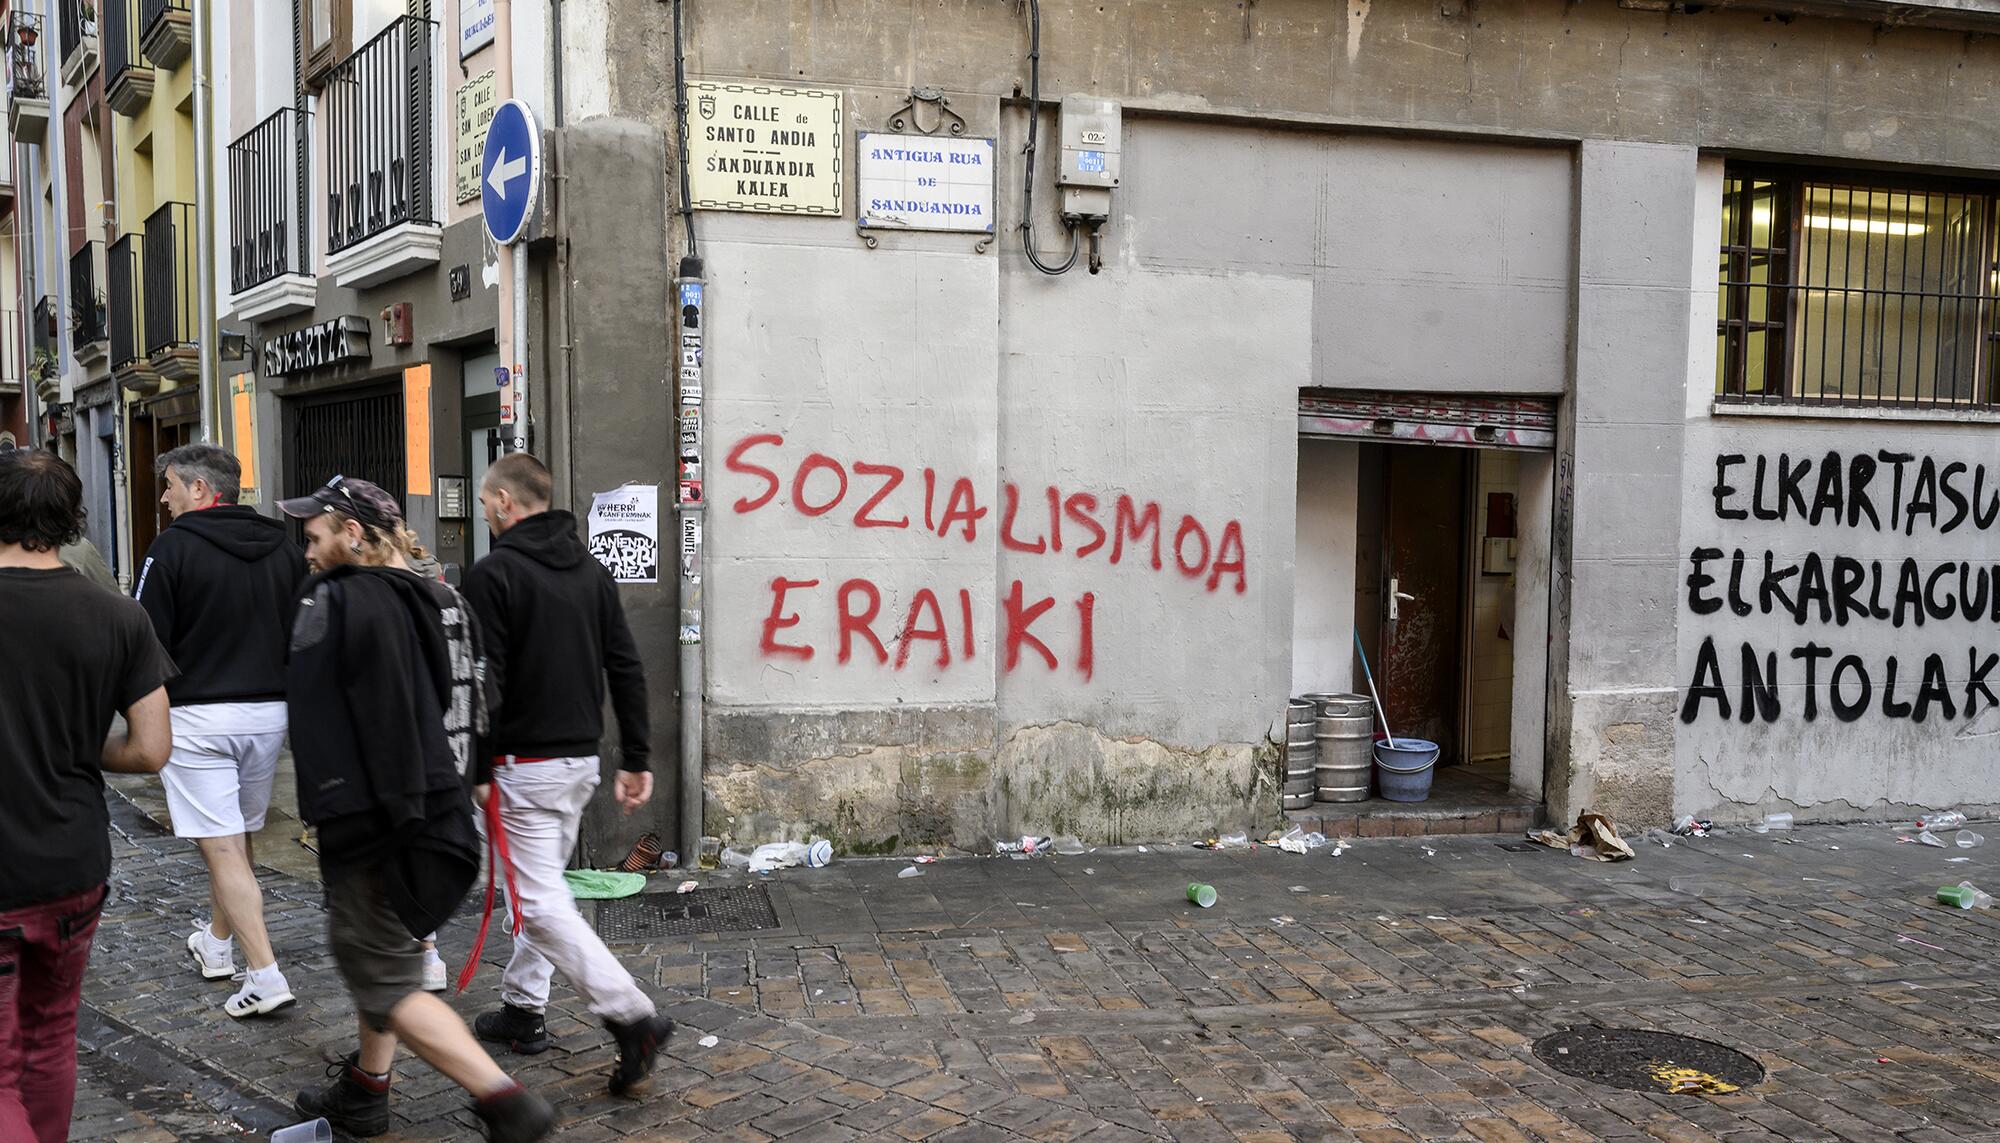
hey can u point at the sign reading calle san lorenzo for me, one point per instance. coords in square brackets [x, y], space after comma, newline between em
[510, 171]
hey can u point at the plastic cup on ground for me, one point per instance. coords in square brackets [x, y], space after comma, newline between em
[1204, 895]
[1967, 839]
[820, 853]
[317, 1131]
[1956, 895]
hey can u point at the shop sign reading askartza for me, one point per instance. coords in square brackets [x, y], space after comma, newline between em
[317, 346]
[766, 148]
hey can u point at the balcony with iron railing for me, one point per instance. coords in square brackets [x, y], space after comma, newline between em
[88, 334]
[378, 110]
[13, 366]
[128, 78]
[166, 29]
[168, 282]
[27, 77]
[125, 291]
[79, 39]
[270, 254]
[45, 356]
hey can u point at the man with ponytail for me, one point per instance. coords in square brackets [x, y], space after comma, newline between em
[386, 697]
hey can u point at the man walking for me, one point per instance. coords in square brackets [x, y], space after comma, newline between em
[219, 585]
[89, 654]
[555, 632]
[386, 700]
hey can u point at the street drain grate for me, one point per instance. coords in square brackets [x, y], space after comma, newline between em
[1648, 1061]
[653, 916]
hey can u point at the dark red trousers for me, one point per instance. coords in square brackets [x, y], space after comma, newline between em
[43, 950]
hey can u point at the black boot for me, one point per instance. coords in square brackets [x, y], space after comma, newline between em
[516, 1115]
[355, 1102]
[639, 1043]
[518, 1028]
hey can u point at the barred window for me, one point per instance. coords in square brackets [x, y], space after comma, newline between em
[1843, 291]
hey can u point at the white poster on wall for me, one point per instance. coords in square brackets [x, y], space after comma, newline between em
[916, 182]
[625, 532]
[475, 26]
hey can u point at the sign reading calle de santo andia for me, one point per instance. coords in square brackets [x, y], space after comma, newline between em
[768, 148]
[916, 182]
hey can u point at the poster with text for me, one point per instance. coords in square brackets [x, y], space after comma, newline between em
[625, 532]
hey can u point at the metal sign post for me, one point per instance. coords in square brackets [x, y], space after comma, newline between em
[510, 180]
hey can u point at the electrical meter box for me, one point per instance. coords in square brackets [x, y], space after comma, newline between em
[1092, 141]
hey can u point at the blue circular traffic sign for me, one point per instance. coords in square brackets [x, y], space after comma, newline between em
[510, 171]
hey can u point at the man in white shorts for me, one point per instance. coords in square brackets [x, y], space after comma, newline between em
[219, 585]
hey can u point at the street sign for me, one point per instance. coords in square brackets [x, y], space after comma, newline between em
[510, 171]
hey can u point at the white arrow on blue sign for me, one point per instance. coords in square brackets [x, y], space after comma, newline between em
[510, 171]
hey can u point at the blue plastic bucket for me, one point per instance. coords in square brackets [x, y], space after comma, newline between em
[1403, 771]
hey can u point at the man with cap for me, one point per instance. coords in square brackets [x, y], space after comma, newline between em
[219, 584]
[556, 635]
[385, 697]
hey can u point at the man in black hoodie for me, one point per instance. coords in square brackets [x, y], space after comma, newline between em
[555, 632]
[219, 585]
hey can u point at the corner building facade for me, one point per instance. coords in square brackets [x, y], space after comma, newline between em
[1572, 363]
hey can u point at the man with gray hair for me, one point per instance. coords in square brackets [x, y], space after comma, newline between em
[219, 584]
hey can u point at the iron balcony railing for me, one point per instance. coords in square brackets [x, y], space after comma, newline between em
[380, 161]
[125, 283]
[86, 298]
[26, 77]
[118, 35]
[151, 12]
[71, 16]
[267, 203]
[169, 278]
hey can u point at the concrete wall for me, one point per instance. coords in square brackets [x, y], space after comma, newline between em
[1790, 700]
[1496, 200]
[1323, 582]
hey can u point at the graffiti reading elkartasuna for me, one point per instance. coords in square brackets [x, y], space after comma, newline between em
[1847, 607]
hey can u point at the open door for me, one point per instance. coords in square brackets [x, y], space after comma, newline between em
[1422, 600]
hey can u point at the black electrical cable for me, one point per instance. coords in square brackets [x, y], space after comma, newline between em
[1028, 179]
[681, 117]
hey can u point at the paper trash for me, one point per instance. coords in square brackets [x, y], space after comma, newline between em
[1593, 836]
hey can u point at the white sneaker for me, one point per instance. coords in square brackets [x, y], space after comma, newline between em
[255, 1000]
[213, 964]
[434, 973]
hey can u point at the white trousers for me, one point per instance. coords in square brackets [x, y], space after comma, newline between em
[541, 807]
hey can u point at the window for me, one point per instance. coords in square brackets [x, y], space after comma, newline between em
[325, 33]
[1836, 289]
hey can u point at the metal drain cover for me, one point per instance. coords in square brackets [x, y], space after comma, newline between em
[653, 916]
[1648, 1061]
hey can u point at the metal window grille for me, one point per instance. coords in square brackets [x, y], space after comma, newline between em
[86, 297]
[378, 108]
[169, 276]
[267, 232]
[351, 433]
[1841, 291]
[71, 15]
[13, 365]
[125, 283]
[152, 11]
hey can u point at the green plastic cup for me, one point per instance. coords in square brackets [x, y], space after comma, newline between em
[1204, 895]
[1956, 895]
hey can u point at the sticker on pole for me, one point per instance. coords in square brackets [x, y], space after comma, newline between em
[510, 171]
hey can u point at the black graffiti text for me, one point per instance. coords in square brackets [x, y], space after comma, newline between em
[1845, 685]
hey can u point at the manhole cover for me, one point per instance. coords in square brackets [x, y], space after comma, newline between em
[1648, 1061]
[651, 916]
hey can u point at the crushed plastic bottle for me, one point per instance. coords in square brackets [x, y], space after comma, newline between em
[1929, 838]
[1069, 846]
[1943, 819]
[911, 871]
[1233, 841]
[1773, 822]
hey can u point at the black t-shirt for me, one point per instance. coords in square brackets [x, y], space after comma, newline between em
[74, 656]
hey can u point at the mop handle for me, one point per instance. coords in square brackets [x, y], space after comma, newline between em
[1372, 692]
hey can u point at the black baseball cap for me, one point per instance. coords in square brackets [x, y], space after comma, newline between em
[351, 496]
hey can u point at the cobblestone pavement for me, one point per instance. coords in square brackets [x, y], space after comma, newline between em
[1390, 993]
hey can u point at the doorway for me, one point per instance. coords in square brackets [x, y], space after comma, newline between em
[483, 446]
[159, 426]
